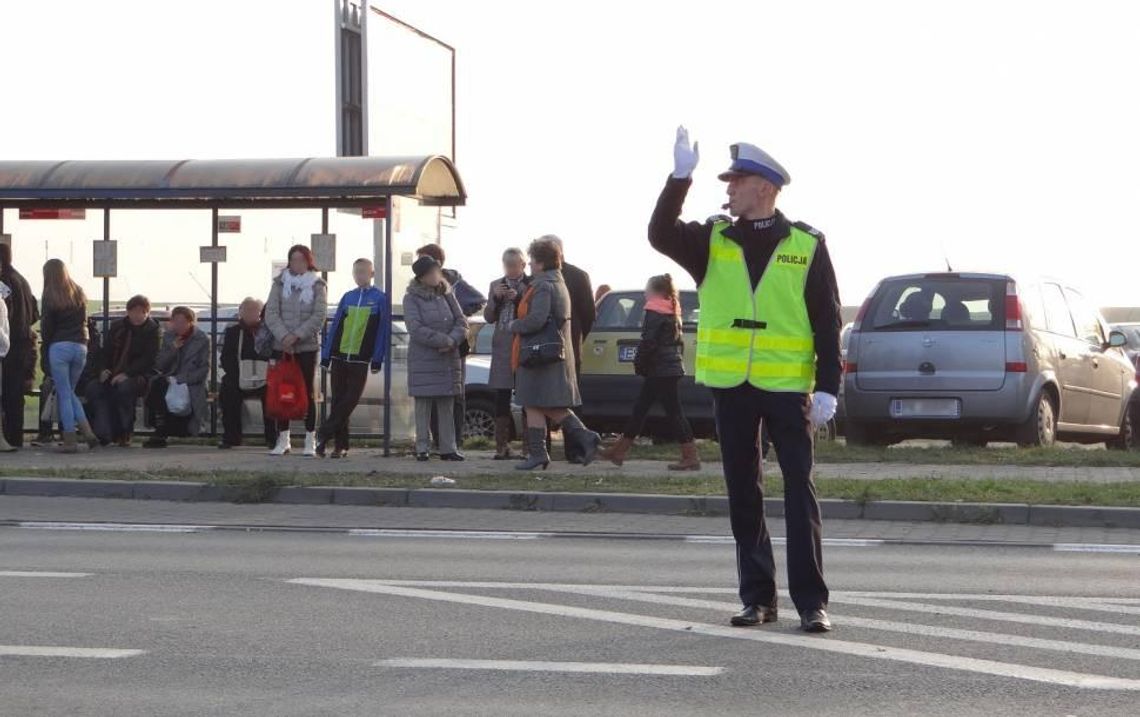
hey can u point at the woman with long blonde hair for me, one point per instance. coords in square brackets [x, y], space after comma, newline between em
[63, 326]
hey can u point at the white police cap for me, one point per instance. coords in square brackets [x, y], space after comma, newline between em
[750, 159]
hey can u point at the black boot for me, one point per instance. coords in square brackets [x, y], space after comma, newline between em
[537, 456]
[586, 442]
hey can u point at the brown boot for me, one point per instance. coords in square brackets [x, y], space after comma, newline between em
[617, 452]
[690, 459]
[503, 438]
[69, 444]
[88, 435]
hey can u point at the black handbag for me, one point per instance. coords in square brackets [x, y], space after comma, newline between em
[543, 347]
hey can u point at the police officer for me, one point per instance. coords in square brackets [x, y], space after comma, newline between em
[768, 347]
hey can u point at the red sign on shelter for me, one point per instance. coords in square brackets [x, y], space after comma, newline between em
[373, 213]
[53, 213]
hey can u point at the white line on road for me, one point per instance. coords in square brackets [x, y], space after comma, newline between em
[113, 527]
[100, 653]
[831, 542]
[464, 534]
[1096, 548]
[40, 574]
[611, 668]
[858, 649]
[906, 628]
[1067, 623]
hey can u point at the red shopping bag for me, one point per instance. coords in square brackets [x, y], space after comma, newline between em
[285, 396]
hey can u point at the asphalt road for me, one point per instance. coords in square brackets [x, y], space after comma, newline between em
[230, 623]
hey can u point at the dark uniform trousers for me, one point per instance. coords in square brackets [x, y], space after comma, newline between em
[740, 411]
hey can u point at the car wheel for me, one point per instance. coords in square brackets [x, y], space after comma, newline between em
[861, 434]
[1040, 429]
[826, 433]
[1127, 440]
[479, 419]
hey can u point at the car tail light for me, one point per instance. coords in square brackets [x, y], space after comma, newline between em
[1012, 308]
[1017, 367]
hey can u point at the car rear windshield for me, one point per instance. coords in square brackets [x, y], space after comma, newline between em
[938, 303]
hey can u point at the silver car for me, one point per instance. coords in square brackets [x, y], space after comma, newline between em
[976, 358]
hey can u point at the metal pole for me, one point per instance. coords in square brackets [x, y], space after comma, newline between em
[214, 326]
[324, 328]
[388, 293]
[106, 279]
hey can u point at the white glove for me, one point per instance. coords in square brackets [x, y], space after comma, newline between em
[685, 158]
[822, 408]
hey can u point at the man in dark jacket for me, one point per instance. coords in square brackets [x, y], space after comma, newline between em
[769, 350]
[471, 302]
[183, 360]
[126, 362]
[20, 363]
[238, 353]
[583, 310]
[356, 343]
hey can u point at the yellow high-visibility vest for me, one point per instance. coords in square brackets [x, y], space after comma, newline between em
[761, 337]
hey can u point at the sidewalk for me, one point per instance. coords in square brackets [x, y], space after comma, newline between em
[207, 459]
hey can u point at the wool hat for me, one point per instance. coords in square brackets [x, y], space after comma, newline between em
[423, 265]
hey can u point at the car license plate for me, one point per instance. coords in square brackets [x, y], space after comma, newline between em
[627, 354]
[926, 408]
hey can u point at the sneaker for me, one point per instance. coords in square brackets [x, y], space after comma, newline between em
[155, 442]
[223, 446]
[454, 457]
[338, 454]
[423, 457]
[311, 444]
[322, 448]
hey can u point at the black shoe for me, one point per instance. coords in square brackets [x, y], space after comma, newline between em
[454, 457]
[154, 442]
[224, 446]
[322, 447]
[754, 615]
[815, 621]
[423, 457]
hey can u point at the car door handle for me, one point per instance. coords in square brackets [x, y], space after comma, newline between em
[1063, 355]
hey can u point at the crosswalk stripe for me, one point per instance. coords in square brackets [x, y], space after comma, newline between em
[454, 534]
[611, 668]
[40, 574]
[867, 650]
[112, 527]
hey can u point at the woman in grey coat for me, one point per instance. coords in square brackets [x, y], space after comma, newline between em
[436, 327]
[548, 391]
[500, 312]
[294, 313]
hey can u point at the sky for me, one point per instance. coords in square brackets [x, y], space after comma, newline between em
[988, 135]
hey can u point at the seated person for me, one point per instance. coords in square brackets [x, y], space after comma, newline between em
[244, 375]
[184, 358]
[125, 364]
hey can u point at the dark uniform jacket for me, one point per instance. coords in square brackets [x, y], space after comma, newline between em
[688, 245]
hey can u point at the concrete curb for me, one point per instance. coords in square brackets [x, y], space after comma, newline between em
[914, 511]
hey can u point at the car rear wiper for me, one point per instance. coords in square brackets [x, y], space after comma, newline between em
[904, 324]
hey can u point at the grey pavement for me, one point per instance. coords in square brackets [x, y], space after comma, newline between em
[205, 459]
[325, 624]
[269, 515]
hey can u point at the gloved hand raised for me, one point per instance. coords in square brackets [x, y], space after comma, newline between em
[685, 158]
[822, 408]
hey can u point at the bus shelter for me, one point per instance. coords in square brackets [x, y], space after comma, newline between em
[364, 183]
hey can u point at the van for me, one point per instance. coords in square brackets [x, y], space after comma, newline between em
[976, 358]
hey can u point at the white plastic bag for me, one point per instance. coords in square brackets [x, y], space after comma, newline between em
[178, 399]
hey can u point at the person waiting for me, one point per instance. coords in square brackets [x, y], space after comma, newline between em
[183, 361]
[500, 312]
[63, 325]
[5, 344]
[127, 362]
[244, 375]
[356, 343]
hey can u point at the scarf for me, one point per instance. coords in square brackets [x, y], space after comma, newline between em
[303, 283]
[523, 310]
[661, 305]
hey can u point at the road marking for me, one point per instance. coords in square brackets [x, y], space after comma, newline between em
[906, 628]
[40, 574]
[1095, 548]
[1093, 604]
[858, 649]
[610, 668]
[831, 542]
[464, 534]
[99, 653]
[113, 527]
[1067, 623]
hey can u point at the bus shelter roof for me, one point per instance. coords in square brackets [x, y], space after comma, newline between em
[209, 183]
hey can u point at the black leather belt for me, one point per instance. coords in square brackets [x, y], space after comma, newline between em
[749, 324]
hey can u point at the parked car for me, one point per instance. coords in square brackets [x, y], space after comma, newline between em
[976, 358]
[1132, 335]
